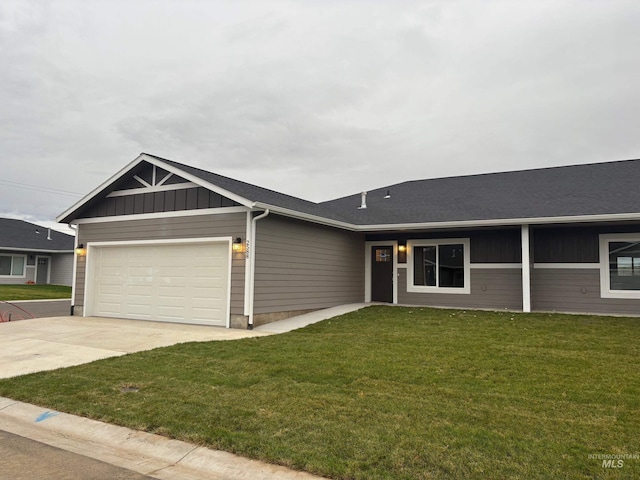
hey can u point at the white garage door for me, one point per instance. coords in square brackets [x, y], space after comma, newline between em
[186, 283]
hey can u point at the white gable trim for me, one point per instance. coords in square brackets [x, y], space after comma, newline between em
[157, 162]
[181, 173]
[149, 216]
[152, 189]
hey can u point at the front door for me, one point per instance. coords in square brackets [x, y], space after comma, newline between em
[42, 270]
[382, 274]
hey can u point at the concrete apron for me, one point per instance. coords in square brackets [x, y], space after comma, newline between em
[48, 343]
[140, 452]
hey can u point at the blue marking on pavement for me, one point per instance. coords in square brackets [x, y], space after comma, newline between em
[45, 415]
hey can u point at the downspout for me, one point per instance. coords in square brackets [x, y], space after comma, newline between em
[75, 269]
[252, 264]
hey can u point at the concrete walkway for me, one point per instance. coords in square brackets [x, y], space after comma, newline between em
[45, 344]
[300, 321]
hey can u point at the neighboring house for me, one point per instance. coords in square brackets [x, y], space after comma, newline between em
[31, 253]
[166, 241]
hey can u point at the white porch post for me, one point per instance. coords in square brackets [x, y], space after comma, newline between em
[526, 270]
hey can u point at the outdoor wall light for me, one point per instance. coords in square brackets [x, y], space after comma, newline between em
[237, 245]
[80, 250]
[402, 247]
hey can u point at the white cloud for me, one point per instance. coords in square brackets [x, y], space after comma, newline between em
[316, 99]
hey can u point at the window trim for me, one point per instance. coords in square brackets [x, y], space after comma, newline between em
[466, 245]
[24, 265]
[605, 278]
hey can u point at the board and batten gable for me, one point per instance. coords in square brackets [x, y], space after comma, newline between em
[303, 266]
[168, 228]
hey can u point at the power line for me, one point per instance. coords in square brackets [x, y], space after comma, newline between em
[38, 188]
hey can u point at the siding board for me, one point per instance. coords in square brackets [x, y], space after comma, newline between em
[566, 290]
[302, 266]
[490, 288]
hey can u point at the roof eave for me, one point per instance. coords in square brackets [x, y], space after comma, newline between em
[615, 217]
[305, 216]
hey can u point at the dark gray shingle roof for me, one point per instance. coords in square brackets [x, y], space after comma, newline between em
[580, 190]
[258, 194]
[18, 234]
[592, 189]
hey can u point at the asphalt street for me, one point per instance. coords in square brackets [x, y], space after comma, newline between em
[25, 459]
[21, 310]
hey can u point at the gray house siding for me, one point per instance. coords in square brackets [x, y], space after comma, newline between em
[199, 226]
[62, 269]
[303, 266]
[573, 290]
[491, 288]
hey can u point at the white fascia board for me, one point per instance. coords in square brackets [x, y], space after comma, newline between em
[305, 216]
[159, 163]
[501, 222]
[173, 214]
[445, 225]
[91, 195]
[192, 178]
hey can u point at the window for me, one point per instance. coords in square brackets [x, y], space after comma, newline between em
[620, 266]
[12, 265]
[440, 266]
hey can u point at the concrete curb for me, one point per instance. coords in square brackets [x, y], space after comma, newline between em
[141, 452]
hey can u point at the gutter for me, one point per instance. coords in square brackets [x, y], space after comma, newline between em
[252, 265]
[382, 227]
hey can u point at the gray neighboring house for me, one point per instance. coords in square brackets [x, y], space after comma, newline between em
[164, 241]
[32, 253]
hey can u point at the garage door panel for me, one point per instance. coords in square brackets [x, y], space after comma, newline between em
[114, 308]
[177, 283]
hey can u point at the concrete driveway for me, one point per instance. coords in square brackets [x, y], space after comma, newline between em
[48, 343]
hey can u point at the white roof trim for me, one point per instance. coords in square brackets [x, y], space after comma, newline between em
[181, 173]
[99, 189]
[159, 163]
[305, 216]
[502, 222]
[159, 188]
[172, 214]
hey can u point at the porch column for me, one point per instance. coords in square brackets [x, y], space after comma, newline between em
[526, 269]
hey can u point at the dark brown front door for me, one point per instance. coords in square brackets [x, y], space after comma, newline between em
[382, 274]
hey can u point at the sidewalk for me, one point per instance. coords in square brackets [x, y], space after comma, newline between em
[140, 452]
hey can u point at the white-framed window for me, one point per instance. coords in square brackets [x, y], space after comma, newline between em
[438, 266]
[12, 265]
[620, 265]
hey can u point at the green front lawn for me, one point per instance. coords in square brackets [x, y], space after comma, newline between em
[33, 292]
[385, 392]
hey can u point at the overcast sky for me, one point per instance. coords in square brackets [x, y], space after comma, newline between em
[317, 99]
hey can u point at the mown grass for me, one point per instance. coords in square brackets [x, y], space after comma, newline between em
[385, 393]
[33, 292]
